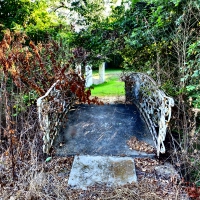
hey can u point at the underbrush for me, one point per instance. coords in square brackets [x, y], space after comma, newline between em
[28, 175]
[37, 179]
[26, 73]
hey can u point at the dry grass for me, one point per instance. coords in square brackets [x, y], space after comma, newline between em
[24, 175]
[39, 180]
[35, 179]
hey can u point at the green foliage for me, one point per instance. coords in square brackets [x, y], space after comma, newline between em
[170, 88]
[143, 36]
[14, 12]
[43, 23]
[23, 101]
[32, 17]
[82, 13]
[193, 73]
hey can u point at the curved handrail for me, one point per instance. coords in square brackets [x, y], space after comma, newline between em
[52, 110]
[152, 102]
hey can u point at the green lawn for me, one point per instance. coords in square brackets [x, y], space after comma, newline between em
[113, 86]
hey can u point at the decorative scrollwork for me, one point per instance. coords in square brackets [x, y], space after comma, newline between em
[52, 110]
[152, 102]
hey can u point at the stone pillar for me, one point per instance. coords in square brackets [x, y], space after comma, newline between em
[88, 76]
[78, 69]
[102, 73]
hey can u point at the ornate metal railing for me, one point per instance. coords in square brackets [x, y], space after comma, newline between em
[152, 102]
[52, 110]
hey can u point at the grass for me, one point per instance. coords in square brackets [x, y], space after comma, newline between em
[113, 86]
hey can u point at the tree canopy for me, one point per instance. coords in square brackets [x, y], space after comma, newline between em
[32, 17]
[157, 37]
[160, 38]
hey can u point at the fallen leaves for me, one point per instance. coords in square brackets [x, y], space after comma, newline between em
[49, 180]
[146, 164]
[135, 144]
[193, 192]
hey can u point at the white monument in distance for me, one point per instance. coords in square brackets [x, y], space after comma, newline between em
[88, 74]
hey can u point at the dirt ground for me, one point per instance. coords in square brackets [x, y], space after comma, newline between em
[112, 99]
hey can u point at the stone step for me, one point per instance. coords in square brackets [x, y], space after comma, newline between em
[107, 170]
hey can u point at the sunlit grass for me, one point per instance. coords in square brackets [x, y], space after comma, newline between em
[113, 86]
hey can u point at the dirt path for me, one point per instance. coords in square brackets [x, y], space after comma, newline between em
[112, 99]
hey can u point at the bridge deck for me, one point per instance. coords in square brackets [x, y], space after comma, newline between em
[102, 130]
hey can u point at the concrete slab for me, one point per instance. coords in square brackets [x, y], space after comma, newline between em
[112, 171]
[102, 130]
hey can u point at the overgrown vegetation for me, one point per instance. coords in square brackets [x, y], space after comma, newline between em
[160, 38]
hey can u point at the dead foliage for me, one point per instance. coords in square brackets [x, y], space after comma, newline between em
[27, 71]
[49, 180]
[135, 144]
[24, 175]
